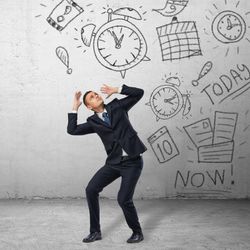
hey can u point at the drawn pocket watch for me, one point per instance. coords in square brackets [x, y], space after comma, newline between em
[118, 44]
[166, 101]
[228, 27]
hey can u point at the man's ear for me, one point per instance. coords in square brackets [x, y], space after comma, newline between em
[89, 107]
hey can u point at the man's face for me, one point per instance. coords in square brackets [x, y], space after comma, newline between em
[93, 100]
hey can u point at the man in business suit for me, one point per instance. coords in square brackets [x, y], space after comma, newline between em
[124, 152]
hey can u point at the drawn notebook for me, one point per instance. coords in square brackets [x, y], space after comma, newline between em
[224, 126]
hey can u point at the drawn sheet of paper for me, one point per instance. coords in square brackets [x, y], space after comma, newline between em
[224, 126]
[200, 133]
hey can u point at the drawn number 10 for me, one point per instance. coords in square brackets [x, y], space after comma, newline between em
[167, 149]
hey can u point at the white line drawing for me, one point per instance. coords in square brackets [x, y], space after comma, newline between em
[63, 55]
[172, 7]
[204, 71]
[228, 27]
[64, 13]
[118, 44]
[179, 40]
[166, 101]
[214, 146]
[163, 145]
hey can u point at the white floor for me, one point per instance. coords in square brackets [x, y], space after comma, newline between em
[167, 224]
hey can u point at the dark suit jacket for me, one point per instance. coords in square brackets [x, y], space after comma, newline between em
[120, 134]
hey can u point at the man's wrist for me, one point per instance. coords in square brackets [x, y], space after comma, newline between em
[119, 89]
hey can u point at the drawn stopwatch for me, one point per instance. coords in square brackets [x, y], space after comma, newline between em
[118, 44]
[166, 101]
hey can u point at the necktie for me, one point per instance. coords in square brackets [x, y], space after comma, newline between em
[106, 117]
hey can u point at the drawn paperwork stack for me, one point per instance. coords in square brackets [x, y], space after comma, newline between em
[214, 146]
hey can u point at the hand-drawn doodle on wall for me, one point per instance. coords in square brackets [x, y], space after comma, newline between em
[229, 86]
[163, 145]
[118, 44]
[166, 100]
[179, 40]
[172, 7]
[63, 55]
[64, 13]
[214, 145]
[228, 26]
[198, 179]
[204, 71]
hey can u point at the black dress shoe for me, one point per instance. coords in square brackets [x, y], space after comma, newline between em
[92, 237]
[135, 238]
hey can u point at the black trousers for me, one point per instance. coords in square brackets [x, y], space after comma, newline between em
[129, 170]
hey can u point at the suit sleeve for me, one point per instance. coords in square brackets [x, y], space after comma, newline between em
[81, 129]
[133, 96]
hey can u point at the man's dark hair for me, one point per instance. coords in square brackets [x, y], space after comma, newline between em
[84, 97]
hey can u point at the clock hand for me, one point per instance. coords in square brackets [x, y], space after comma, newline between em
[170, 99]
[114, 36]
[229, 24]
[120, 41]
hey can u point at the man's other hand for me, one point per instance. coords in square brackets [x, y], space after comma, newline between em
[76, 102]
[109, 90]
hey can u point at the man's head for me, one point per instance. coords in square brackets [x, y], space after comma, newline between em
[92, 100]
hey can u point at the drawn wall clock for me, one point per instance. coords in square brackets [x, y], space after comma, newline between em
[118, 44]
[166, 100]
[228, 27]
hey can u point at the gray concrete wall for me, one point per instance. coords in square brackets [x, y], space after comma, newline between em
[200, 150]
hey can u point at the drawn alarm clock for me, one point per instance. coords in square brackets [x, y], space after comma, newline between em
[228, 27]
[118, 44]
[166, 101]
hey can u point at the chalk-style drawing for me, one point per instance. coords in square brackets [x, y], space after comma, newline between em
[228, 27]
[118, 44]
[204, 71]
[166, 101]
[172, 7]
[179, 40]
[214, 145]
[63, 55]
[163, 145]
[64, 13]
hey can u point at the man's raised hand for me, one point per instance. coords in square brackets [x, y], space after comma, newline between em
[109, 90]
[76, 102]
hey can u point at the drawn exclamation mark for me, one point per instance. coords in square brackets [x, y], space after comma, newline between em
[232, 173]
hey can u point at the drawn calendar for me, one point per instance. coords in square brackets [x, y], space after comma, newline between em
[163, 145]
[178, 40]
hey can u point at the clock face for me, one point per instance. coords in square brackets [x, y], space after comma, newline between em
[119, 45]
[228, 27]
[166, 101]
